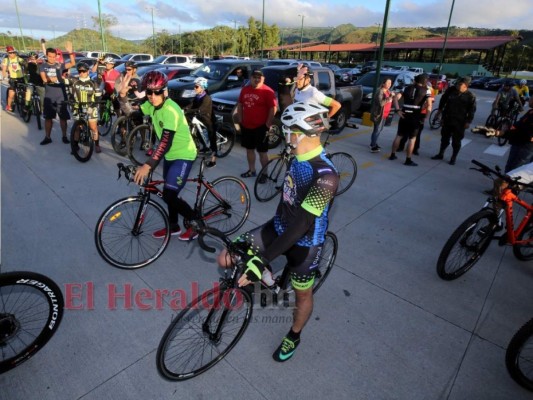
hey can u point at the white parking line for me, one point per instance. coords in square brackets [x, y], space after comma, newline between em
[495, 150]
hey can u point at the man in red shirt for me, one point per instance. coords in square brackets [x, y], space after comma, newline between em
[109, 77]
[255, 113]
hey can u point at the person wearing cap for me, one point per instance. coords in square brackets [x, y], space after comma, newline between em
[256, 108]
[305, 92]
[506, 98]
[457, 106]
[55, 95]
[12, 66]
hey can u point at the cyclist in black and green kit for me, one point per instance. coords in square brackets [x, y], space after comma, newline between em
[176, 148]
[299, 226]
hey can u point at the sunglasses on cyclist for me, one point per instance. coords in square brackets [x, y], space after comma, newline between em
[11, 52]
[150, 92]
[197, 86]
[81, 71]
[129, 69]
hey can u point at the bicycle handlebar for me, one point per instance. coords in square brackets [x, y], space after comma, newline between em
[203, 230]
[487, 171]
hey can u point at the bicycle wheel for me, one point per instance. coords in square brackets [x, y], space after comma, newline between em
[123, 246]
[119, 131]
[81, 141]
[434, 121]
[37, 111]
[519, 356]
[275, 136]
[105, 122]
[225, 134]
[28, 113]
[524, 252]
[31, 308]
[504, 125]
[466, 245]
[138, 142]
[269, 182]
[327, 259]
[225, 204]
[347, 169]
[491, 121]
[21, 103]
[203, 333]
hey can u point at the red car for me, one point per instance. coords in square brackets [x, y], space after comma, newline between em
[439, 82]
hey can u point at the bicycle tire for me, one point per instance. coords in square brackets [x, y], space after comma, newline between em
[225, 134]
[134, 142]
[82, 148]
[504, 125]
[119, 245]
[225, 204]
[105, 123]
[481, 226]
[31, 309]
[19, 96]
[274, 171]
[347, 169]
[37, 112]
[491, 121]
[524, 252]
[194, 343]
[434, 122]
[119, 131]
[27, 115]
[519, 356]
[327, 259]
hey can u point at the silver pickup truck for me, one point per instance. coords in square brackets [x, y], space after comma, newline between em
[224, 102]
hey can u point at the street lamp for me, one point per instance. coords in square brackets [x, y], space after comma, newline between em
[520, 59]
[301, 33]
[377, 37]
[446, 37]
[153, 28]
[101, 27]
[20, 26]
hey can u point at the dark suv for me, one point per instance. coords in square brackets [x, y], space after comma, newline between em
[220, 75]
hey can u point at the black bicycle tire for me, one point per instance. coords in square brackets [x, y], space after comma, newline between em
[197, 306]
[518, 250]
[37, 112]
[20, 104]
[105, 128]
[502, 140]
[274, 179]
[113, 211]
[433, 123]
[470, 223]
[27, 115]
[346, 183]
[513, 355]
[323, 269]
[225, 127]
[73, 143]
[120, 150]
[244, 198]
[54, 299]
[491, 121]
[131, 141]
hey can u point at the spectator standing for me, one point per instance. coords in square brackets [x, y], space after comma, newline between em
[55, 95]
[255, 113]
[381, 106]
[457, 106]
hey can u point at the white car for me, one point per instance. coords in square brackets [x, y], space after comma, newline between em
[181, 60]
[138, 57]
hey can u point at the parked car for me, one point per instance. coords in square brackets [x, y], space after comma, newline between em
[174, 71]
[496, 84]
[350, 97]
[220, 75]
[333, 67]
[479, 82]
[188, 61]
[438, 82]
[369, 66]
[122, 67]
[292, 61]
[98, 54]
[137, 57]
[400, 79]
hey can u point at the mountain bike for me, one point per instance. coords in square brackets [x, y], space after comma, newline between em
[31, 309]
[471, 239]
[224, 132]
[519, 356]
[122, 126]
[19, 100]
[140, 142]
[269, 181]
[123, 233]
[503, 120]
[435, 119]
[105, 120]
[81, 136]
[212, 324]
[35, 105]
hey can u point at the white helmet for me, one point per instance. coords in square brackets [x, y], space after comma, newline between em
[109, 60]
[523, 82]
[307, 118]
[202, 82]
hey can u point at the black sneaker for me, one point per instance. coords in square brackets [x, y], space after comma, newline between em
[211, 164]
[392, 157]
[410, 163]
[374, 149]
[46, 140]
[452, 161]
[285, 350]
[437, 157]
[65, 140]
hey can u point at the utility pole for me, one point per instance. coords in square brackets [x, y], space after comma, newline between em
[20, 26]
[446, 38]
[262, 29]
[101, 27]
[301, 34]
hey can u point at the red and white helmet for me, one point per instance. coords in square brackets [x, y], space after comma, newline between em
[10, 48]
[154, 80]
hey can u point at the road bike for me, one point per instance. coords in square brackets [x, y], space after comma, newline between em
[105, 117]
[471, 239]
[519, 356]
[269, 181]
[224, 132]
[34, 106]
[123, 233]
[31, 309]
[81, 136]
[212, 324]
[435, 119]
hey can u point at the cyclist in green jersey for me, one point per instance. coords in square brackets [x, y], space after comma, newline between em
[176, 148]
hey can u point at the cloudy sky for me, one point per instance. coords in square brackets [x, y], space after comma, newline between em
[44, 18]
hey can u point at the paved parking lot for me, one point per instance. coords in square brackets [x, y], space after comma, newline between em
[384, 325]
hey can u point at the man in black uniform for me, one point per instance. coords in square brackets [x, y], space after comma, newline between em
[415, 97]
[457, 106]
